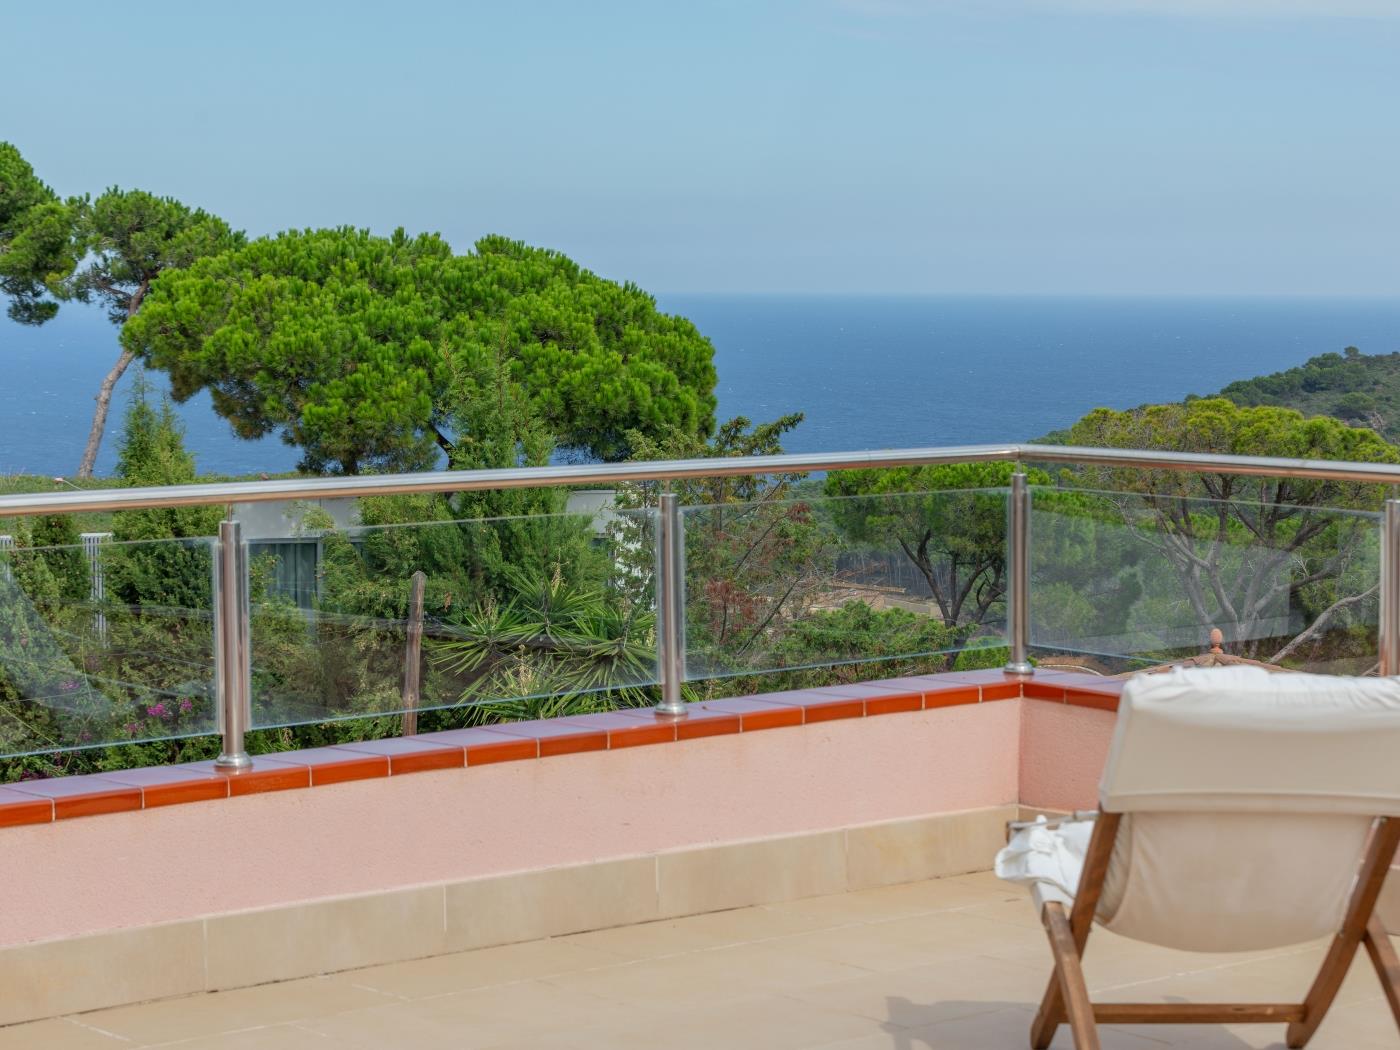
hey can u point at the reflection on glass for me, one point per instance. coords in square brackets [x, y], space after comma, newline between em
[521, 617]
[105, 643]
[1129, 579]
[785, 585]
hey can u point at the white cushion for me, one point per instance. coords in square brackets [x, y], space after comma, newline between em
[1239, 739]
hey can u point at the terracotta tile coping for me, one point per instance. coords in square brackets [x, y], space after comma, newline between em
[44, 801]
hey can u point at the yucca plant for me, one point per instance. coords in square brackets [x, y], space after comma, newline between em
[550, 648]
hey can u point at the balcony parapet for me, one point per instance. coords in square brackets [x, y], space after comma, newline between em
[43, 801]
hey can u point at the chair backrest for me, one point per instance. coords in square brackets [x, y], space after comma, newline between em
[1248, 798]
[1239, 739]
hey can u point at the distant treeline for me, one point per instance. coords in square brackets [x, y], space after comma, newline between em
[1360, 389]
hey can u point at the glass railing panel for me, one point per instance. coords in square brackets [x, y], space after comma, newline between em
[803, 592]
[521, 617]
[105, 643]
[1122, 581]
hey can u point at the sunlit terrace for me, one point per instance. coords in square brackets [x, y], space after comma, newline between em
[661, 803]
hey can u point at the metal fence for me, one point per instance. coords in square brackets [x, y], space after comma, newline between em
[232, 647]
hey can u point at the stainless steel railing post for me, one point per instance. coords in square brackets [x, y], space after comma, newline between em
[1018, 570]
[1390, 589]
[670, 603]
[232, 660]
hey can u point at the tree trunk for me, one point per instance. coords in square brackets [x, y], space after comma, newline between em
[104, 393]
[99, 415]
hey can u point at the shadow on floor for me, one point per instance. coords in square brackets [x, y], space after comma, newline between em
[978, 1023]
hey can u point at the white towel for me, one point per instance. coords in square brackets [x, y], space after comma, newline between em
[1046, 859]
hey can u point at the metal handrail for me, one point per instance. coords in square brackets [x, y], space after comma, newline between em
[231, 607]
[207, 493]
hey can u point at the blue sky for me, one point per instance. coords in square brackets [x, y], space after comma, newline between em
[1043, 146]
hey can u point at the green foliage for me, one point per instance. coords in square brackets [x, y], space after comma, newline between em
[1358, 388]
[551, 646]
[946, 523]
[145, 566]
[1248, 554]
[130, 238]
[370, 353]
[37, 244]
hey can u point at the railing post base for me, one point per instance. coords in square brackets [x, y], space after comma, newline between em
[235, 763]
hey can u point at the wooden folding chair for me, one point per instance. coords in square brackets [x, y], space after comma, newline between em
[1291, 783]
[1066, 1000]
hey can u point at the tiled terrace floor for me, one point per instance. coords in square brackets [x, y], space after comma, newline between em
[952, 963]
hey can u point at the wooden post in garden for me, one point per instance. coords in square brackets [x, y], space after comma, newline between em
[412, 657]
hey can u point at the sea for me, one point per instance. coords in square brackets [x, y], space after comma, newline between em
[868, 372]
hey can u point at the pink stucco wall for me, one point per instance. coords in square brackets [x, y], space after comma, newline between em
[1063, 750]
[128, 869]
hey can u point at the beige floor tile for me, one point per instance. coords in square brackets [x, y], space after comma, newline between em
[955, 933]
[465, 971]
[897, 902]
[769, 1023]
[219, 1012]
[59, 1033]
[997, 1030]
[650, 940]
[947, 964]
[529, 1010]
[745, 925]
[930, 994]
[870, 948]
[1018, 912]
[276, 1037]
[672, 982]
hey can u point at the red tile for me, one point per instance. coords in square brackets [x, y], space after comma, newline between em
[485, 746]
[950, 694]
[755, 713]
[18, 808]
[333, 765]
[412, 754]
[881, 697]
[627, 728]
[1098, 701]
[826, 705]
[1038, 688]
[169, 785]
[702, 720]
[1011, 689]
[266, 774]
[83, 796]
[894, 701]
[556, 736]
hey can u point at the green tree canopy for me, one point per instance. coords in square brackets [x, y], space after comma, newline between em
[36, 240]
[1249, 552]
[953, 534]
[362, 350]
[107, 250]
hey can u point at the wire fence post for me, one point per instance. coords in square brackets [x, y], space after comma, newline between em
[1018, 557]
[413, 654]
[232, 660]
[670, 603]
[1390, 589]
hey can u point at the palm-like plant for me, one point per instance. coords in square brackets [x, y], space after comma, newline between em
[550, 648]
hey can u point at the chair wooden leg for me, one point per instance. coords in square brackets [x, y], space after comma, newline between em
[1383, 957]
[1050, 1015]
[1074, 993]
[1052, 1006]
[1375, 867]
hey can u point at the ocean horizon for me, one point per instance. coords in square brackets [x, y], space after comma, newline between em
[868, 372]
